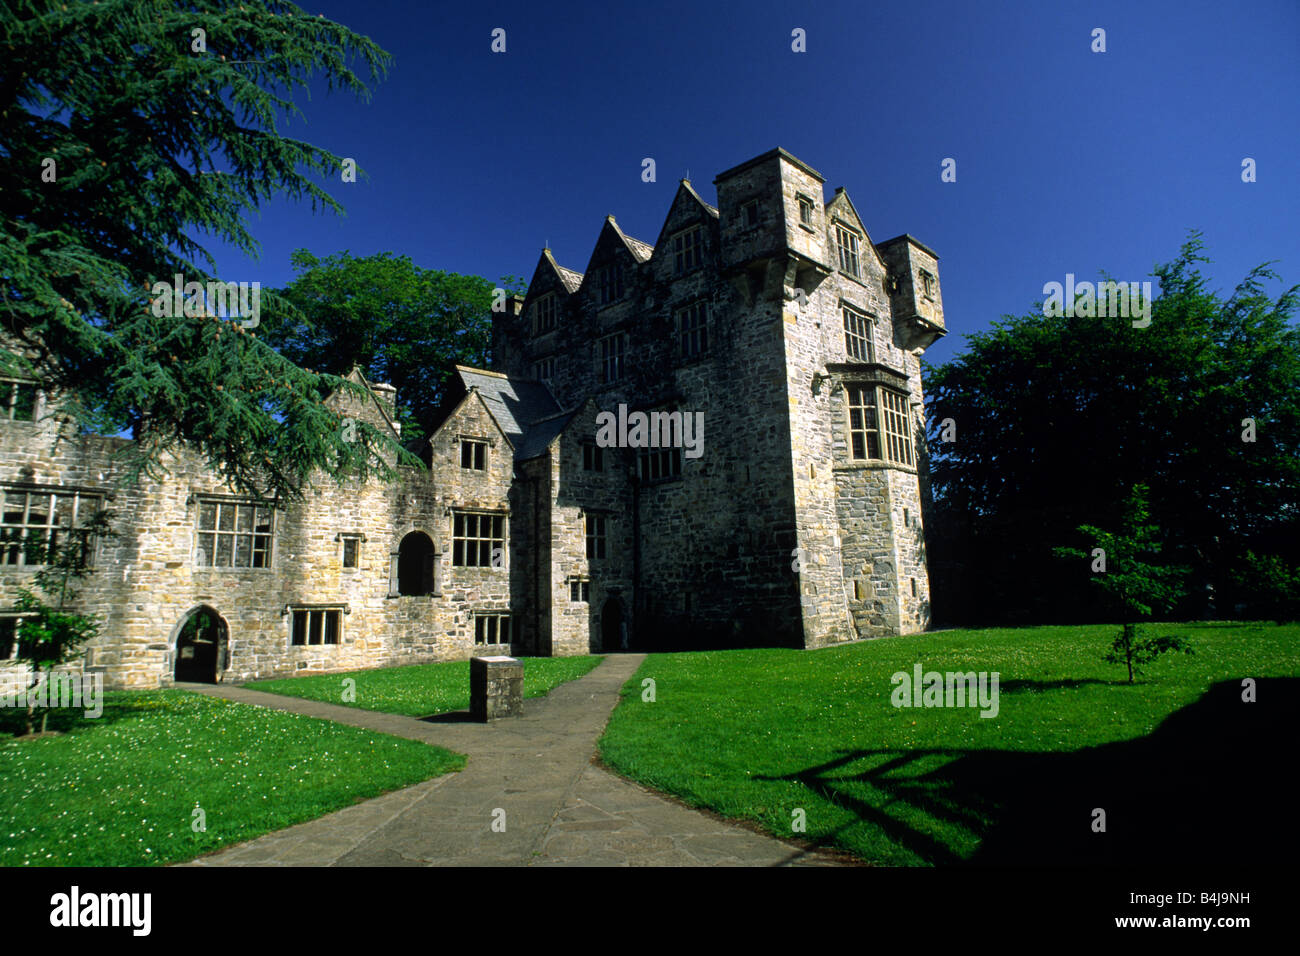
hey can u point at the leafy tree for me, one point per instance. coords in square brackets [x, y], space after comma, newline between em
[128, 128]
[1057, 417]
[1126, 569]
[1270, 586]
[400, 323]
[50, 635]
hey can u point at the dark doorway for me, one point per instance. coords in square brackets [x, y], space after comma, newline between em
[415, 564]
[611, 626]
[202, 647]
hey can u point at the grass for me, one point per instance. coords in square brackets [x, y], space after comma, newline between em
[757, 734]
[419, 690]
[121, 790]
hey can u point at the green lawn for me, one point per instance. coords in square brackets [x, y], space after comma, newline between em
[419, 690]
[120, 790]
[757, 734]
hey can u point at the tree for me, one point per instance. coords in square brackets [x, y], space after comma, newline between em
[400, 323]
[1057, 417]
[1124, 566]
[127, 127]
[50, 635]
[1270, 586]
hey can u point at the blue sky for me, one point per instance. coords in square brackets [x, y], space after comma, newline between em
[1067, 160]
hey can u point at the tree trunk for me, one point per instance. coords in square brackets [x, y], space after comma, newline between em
[31, 702]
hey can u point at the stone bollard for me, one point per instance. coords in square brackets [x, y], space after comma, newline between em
[496, 687]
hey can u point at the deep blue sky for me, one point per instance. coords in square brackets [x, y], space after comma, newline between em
[1067, 160]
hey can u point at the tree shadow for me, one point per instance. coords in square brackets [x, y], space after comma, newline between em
[1206, 787]
[117, 705]
[1033, 686]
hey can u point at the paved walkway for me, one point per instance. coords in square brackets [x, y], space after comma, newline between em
[560, 807]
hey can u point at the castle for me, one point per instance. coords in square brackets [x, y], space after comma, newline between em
[791, 514]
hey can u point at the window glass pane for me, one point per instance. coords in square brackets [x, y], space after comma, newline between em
[314, 633]
[207, 515]
[243, 551]
[244, 518]
[15, 505]
[38, 509]
[299, 627]
[226, 517]
[203, 556]
[63, 510]
[332, 626]
[224, 551]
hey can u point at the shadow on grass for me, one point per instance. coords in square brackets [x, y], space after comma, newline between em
[1207, 786]
[67, 719]
[1033, 686]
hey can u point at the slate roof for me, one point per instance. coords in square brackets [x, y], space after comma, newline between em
[525, 410]
[571, 278]
[640, 250]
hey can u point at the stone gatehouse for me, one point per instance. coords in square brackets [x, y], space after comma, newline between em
[791, 517]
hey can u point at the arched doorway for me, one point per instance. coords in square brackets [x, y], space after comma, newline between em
[611, 626]
[202, 647]
[415, 564]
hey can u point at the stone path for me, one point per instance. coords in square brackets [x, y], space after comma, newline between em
[560, 807]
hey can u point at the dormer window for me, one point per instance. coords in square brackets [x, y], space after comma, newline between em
[473, 454]
[847, 240]
[611, 284]
[544, 313]
[688, 251]
[612, 350]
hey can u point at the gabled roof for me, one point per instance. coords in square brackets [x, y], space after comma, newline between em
[685, 194]
[540, 435]
[611, 233]
[712, 210]
[569, 279]
[641, 250]
[358, 377]
[515, 404]
[841, 197]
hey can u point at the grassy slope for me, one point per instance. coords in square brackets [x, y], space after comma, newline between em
[120, 790]
[418, 690]
[756, 734]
